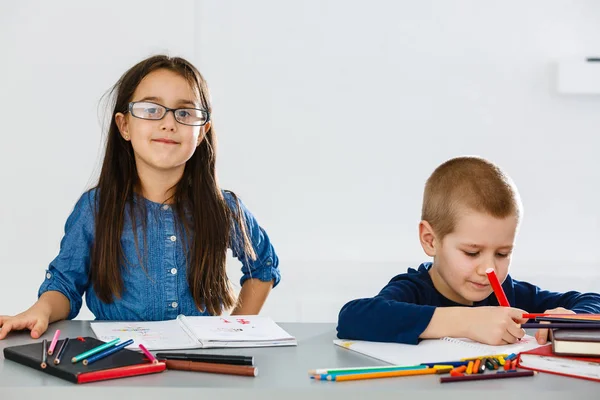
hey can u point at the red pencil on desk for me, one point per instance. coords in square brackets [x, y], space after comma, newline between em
[500, 295]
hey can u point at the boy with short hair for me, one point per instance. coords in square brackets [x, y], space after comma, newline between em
[470, 217]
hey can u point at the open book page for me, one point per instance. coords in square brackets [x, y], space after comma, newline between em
[155, 335]
[562, 365]
[237, 331]
[432, 350]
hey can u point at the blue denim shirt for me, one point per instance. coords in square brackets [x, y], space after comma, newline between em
[160, 290]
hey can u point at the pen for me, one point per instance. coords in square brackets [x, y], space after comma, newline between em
[230, 359]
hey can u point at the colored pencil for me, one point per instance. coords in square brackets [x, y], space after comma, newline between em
[53, 343]
[482, 357]
[569, 319]
[553, 325]
[530, 316]
[107, 352]
[213, 368]
[95, 350]
[61, 351]
[149, 355]
[120, 372]
[498, 291]
[451, 363]
[377, 375]
[44, 362]
[481, 377]
[353, 370]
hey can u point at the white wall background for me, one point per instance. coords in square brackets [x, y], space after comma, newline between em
[330, 114]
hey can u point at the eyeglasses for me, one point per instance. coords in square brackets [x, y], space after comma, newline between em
[153, 111]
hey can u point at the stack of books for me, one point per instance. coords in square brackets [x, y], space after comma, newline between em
[574, 350]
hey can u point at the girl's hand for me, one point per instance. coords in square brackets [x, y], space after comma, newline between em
[542, 334]
[33, 319]
[494, 325]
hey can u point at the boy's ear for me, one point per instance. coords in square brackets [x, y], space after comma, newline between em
[122, 124]
[427, 238]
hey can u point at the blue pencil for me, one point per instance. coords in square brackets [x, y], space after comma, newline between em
[107, 352]
[323, 377]
[453, 363]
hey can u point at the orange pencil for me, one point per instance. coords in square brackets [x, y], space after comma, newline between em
[376, 375]
[476, 366]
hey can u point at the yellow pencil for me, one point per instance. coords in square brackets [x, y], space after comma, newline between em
[470, 368]
[482, 357]
[388, 374]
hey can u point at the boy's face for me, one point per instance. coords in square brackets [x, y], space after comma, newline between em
[478, 242]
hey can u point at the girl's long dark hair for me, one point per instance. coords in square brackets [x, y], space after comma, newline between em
[209, 224]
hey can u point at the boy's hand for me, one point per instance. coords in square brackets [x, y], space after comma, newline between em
[542, 334]
[33, 319]
[494, 325]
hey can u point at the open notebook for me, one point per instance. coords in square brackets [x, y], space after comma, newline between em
[197, 332]
[433, 350]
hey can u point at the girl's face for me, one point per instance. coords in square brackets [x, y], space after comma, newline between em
[165, 144]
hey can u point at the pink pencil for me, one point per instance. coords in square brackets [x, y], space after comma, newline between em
[148, 354]
[500, 295]
[53, 343]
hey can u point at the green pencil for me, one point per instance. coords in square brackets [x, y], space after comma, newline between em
[353, 370]
[95, 350]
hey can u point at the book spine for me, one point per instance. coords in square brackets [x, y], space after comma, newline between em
[121, 372]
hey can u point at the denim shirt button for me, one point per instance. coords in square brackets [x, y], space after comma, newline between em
[48, 275]
[165, 207]
[269, 262]
[173, 238]
[174, 304]
[173, 271]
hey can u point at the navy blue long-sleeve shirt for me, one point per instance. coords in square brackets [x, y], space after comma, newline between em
[404, 308]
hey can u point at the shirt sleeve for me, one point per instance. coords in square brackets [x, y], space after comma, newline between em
[535, 300]
[391, 316]
[266, 265]
[68, 272]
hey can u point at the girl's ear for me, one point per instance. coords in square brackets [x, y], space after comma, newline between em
[203, 131]
[427, 238]
[122, 124]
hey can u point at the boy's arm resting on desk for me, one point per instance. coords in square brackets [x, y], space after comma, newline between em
[51, 306]
[391, 316]
[535, 300]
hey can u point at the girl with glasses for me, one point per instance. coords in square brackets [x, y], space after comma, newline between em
[149, 241]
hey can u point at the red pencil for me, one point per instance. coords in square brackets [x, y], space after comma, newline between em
[500, 295]
[120, 372]
[534, 315]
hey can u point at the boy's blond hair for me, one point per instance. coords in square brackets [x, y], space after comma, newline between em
[471, 183]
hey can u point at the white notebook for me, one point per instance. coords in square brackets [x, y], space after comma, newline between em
[197, 332]
[433, 350]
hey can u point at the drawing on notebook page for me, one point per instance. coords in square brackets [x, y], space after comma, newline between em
[197, 332]
[433, 350]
